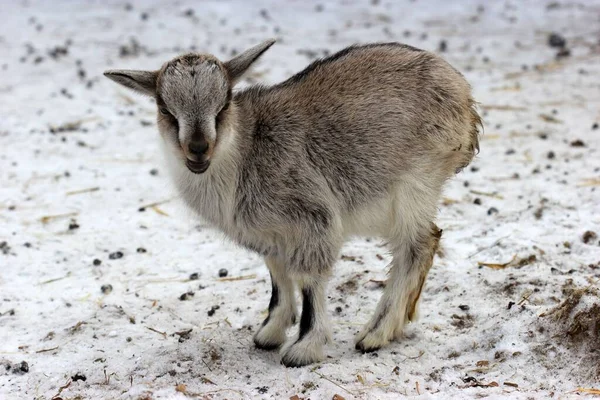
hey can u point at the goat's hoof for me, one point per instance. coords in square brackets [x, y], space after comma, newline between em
[269, 338]
[301, 353]
[371, 340]
[364, 348]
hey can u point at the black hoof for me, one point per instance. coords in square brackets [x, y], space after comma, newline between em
[360, 346]
[267, 346]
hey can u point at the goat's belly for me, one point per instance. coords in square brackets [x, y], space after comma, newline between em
[375, 219]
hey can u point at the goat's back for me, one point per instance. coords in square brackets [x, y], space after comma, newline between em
[364, 119]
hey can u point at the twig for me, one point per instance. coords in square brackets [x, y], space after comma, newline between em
[164, 334]
[501, 107]
[489, 247]
[60, 389]
[237, 278]
[44, 220]
[55, 279]
[46, 350]
[494, 195]
[157, 203]
[335, 383]
[92, 189]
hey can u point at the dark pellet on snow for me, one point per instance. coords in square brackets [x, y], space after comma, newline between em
[201, 287]
[477, 201]
[144, 16]
[443, 46]
[577, 143]
[595, 126]
[79, 377]
[492, 210]
[464, 307]
[106, 289]
[223, 273]
[589, 236]
[556, 40]
[551, 155]
[96, 262]
[153, 172]
[338, 310]
[262, 389]
[116, 255]
[212, 310]
[73, 226]
[140, 250]
[194, 276]
[186, 296]
[510, 304]
[24, 367]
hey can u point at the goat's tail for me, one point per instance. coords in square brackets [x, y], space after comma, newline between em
[475, 129]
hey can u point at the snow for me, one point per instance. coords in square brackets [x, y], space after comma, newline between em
[125, 342]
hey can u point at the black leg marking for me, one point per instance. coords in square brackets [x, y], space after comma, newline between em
[274, 300]
[308, 311]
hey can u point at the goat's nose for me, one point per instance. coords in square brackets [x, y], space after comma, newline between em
[198, 148]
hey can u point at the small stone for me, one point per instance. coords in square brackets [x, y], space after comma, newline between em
[492, 210]
[73, 225]
[551, 155]
[106, 289]
[477, 201]
[116, 255]
[194, 276]
[338, 310]
[96, 262]
[464, 307]
[223, 273]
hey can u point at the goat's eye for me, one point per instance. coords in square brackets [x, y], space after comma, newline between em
[164, 111]
[219, 117]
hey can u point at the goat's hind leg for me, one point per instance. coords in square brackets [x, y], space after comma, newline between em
[412, 259]
[282, 308]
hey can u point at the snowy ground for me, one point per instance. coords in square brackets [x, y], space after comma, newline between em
[80, 170]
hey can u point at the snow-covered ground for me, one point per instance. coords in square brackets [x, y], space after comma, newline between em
[85, 203]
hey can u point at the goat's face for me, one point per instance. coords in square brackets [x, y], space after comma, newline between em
[193, 94]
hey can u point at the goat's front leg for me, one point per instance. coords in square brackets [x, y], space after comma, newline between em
[282, 308]
[314, 331]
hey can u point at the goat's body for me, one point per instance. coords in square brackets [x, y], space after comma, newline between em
[360, 143]
[334, 145]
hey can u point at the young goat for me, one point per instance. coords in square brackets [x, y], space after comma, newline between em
[359, 143]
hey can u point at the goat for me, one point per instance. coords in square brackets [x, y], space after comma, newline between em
[357, 144]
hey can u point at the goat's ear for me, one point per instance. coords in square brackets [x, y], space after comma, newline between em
[238, 65]
[143, 82]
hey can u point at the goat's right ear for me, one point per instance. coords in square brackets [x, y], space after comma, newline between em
[143, 82]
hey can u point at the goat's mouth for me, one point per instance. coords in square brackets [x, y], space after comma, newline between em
[197, 167]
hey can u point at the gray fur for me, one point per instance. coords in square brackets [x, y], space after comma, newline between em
[359, 143]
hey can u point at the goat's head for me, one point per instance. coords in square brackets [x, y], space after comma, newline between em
[193, 96]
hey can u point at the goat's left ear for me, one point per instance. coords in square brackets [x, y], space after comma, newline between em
[143, 82]
[238, 65]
